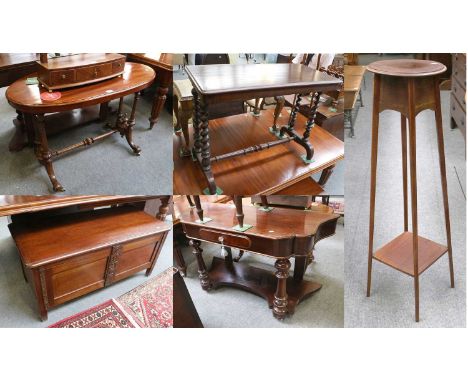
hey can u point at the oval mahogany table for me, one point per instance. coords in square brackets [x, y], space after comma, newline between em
[26, 99]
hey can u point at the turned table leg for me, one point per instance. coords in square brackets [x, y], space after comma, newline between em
[130, 124]
[196, 124]
[202, 273]
[18, 141]
[278, 108]
[43, 154]
[239, 210]
[205, 148]
[163, 208]
[310, 124]
[280, 300]
[179, 259]
[325, 175]
[160, 97]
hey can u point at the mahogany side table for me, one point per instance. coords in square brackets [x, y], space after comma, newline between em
[215, 84]
[277, 233]
[162, 64]
[408, 86]
[26, 99]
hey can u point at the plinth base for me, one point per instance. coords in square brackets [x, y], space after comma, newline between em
[259, 282]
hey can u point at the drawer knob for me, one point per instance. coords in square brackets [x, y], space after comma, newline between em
[64, 76]
[221, 239]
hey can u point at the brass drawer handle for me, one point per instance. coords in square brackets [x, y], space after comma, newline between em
[64, 76]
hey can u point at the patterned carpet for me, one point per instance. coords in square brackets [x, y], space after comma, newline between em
[147, 306]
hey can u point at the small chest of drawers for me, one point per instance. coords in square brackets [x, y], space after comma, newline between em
[65, 257]
[79, 69]
[458, 93]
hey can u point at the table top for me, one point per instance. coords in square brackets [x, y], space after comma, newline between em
[81, 232]
[407, 68]
[265, 172]
[27, 98]
[246, 81]
[9, 60]
[18, 204]
[159, 60]
[279, 223]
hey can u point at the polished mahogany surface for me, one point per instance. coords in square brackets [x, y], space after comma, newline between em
[407, 68]
[17, 204]
[277, 224]
[161, 60]
[37, 239]
[237, 81]
[265, 172]
[27, 98]
[9, 60]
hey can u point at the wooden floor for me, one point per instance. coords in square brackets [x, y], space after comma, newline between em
[265, 172]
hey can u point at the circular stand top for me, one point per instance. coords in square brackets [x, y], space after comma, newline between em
[407, 68]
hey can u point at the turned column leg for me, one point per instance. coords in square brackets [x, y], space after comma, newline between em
[280, 300]
[160, 97]
[278, 108]
[205, 147]
[131, 123]
[237, 199]
[375, 143]
[43, 154]
[414, 191]
[18, 141]
[202, 273]
[443, 177]
[179, 259]
[293, 116]
[163, 208]
[196, 124]
[404, 166]
[310, 124]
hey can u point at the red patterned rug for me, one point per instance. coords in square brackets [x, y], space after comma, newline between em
[147, 306]
[150, 304]
[105, 315]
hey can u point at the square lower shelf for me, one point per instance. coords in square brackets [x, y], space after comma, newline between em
[398, 253]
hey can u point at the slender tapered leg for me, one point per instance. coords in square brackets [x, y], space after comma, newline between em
[443, 177]
[375, 143]
[179, 259]
[264, 200]
[239, 256]
[404, 167]
[198, 206]
[325, 175]
[239, 211]
[227, 255]
[165, 80]
[202, 273]
[280, 300]
[44, 155]
[414, 191]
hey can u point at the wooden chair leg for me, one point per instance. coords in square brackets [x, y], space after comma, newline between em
[414, 191]
[443, 177]
[374, 146]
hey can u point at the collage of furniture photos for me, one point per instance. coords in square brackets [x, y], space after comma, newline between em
[233, 190]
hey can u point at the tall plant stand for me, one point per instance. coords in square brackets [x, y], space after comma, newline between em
[408, 87]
